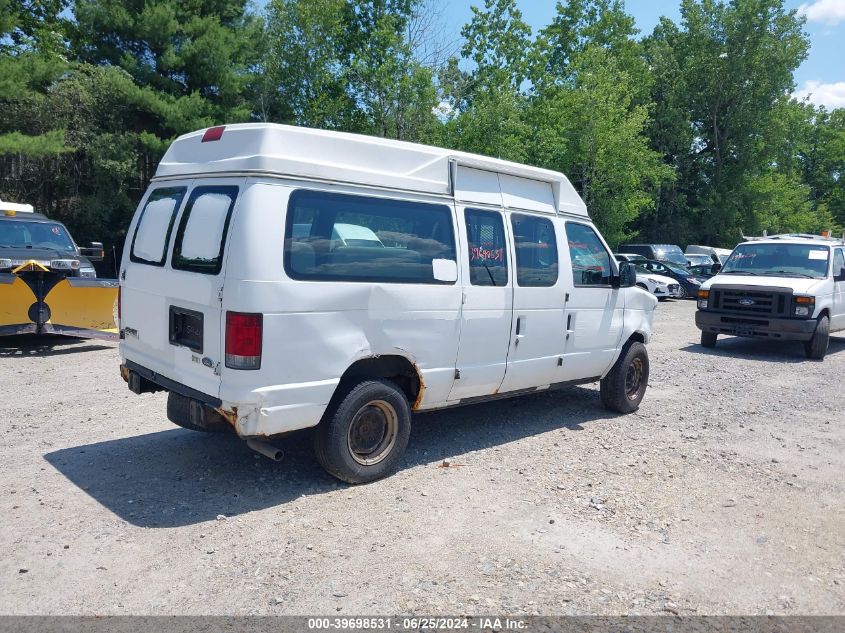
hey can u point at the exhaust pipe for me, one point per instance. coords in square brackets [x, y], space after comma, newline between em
[266, 449]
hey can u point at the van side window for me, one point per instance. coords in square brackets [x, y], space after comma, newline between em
[152, 234]
[202, 229]
[536, 250]
[838, 261]
[488, 256]
[590, 260]
[338, 237]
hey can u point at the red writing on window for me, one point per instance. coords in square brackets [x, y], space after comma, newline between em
[480, 253]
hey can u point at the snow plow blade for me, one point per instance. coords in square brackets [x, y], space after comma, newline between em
[43, 302]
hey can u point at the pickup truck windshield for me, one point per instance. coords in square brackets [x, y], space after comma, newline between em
[779, 260]
[23, 234]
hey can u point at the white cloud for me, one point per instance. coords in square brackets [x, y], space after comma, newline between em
[827, 11]
[830, 95]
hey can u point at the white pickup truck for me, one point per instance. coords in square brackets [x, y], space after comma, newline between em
[785, 287]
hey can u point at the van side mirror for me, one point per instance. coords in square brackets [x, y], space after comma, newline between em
[94, 253]
[840, 276]
[627, 275]
[445, 270]
[715, 268]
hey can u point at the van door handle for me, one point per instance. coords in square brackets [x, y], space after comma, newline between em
[568, 325]
[520, 330]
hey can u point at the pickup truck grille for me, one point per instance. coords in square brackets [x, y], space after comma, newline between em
[751, 301]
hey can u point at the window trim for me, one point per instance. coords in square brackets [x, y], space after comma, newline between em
[288, 235]
[531, 216]
[611, 258]
[498, 211]
[149, 262]
[177, 261]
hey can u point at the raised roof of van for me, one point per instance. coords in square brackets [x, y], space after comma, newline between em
[269, 148]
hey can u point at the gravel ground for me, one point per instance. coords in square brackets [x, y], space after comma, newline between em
[724, 494]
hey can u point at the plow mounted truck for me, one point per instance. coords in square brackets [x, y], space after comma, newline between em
[48, 284]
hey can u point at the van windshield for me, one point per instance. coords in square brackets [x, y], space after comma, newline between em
[23, 234]
[779, 260]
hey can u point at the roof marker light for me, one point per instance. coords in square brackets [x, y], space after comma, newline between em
[213, 133]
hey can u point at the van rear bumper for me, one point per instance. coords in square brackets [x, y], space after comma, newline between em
[782, 329]
[148, 381]
[249, 417]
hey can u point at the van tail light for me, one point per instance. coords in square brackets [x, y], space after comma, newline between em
[243, 340]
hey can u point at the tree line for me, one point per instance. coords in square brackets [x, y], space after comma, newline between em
[684, 135]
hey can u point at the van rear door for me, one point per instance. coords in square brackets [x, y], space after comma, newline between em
[172, 281]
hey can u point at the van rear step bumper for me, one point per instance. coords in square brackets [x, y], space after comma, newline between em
[143, 380]
[738, 325]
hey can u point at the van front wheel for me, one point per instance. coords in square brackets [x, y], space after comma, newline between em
[623, 388]
[816, 347]
[363, 436]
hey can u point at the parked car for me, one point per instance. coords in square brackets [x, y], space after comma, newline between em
[718, 255]
[658, 285]
[667, 252]
[782, 287]
[689, 283]
[704, 271]
[486, 279]
[697, 260]
[629, 257]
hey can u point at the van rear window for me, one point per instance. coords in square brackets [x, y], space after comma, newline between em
[360, 238]
[202, 230]
[152, 234]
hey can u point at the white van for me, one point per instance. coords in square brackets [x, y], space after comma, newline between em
[277, 278]
[782, 287]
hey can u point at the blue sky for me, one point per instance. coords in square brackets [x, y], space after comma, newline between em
[822, 75]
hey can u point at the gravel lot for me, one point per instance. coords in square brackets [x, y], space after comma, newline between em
[724, 494]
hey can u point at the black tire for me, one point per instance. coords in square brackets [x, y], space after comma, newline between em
[179, 412]
[682, 292]
[363, 434]
[708, 339]
[623, 388]
[816, 347]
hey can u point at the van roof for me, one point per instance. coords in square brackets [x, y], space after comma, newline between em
[270, 148]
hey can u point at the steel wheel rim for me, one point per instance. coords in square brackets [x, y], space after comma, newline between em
[372, 433]
[634, 378]
[682, 292]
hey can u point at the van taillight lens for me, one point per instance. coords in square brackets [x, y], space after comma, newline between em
[243, 340]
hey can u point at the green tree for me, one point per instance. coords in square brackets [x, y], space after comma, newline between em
[731, 64]
[488, 104]
[204, 47]
[592, 130]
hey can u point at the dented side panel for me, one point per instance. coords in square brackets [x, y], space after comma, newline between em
[314, 330]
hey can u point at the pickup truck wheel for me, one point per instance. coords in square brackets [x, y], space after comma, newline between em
[708, 339]
[816, 347]
[623, 388]
[362, 437]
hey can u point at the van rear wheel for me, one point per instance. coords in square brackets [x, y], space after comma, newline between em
[362, 437]
[623, 388]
